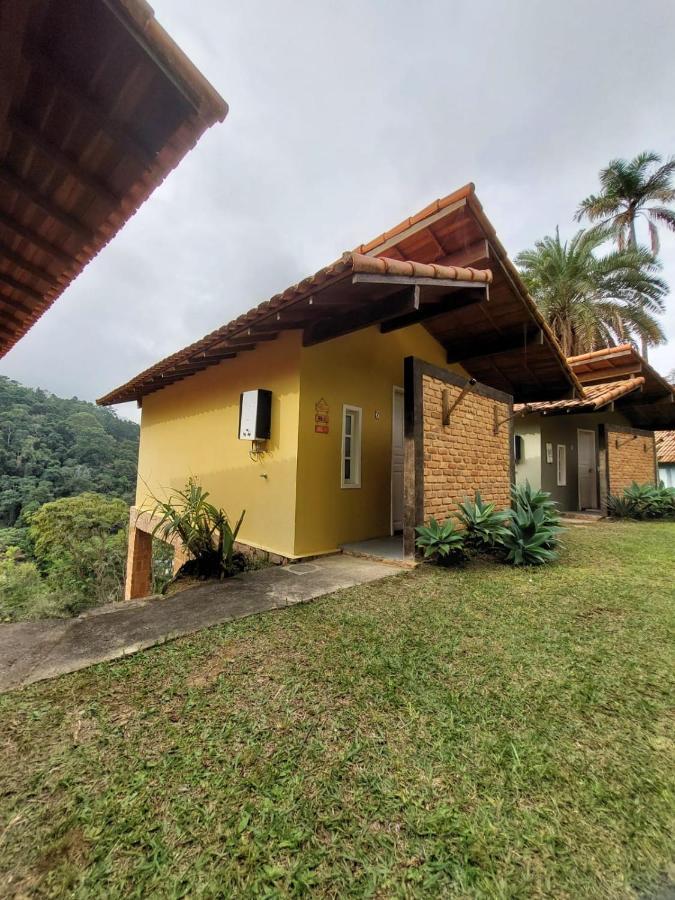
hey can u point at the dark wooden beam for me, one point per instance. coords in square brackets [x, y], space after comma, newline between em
[19, 286]
[442, 284]
[609, 374]
[369, 313]
[37, 240]
[101, 117]
[69, 163]
[463, 352]
[250, 335]
[30, 192]
[445, 303]
[6, 252]
[476, 252]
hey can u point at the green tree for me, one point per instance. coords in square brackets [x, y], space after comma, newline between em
[79, 544]
[51, 448]
[592, 300]
[639, 188]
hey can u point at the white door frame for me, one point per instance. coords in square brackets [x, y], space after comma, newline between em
[595, 465]
[395, 390]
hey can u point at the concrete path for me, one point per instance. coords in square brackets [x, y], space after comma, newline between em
[33, 651]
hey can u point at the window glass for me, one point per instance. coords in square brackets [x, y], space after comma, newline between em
[351, 447]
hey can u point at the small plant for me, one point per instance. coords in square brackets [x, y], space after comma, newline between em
[441, 542]
[523, 496]
[533, 533]
[484, 525]
[203, 529]
[531, 539]
[643, 501]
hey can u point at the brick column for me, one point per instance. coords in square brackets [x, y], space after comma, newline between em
[138, 582]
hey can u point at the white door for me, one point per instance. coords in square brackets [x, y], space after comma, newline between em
[397, 456]
[588, 474]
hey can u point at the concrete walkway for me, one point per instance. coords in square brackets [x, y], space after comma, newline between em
[33, 651]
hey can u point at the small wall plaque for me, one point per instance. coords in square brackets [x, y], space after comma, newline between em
[549, 453]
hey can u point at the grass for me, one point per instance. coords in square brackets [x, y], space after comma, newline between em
[480, 733]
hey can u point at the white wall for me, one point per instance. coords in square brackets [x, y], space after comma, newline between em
[667, 474]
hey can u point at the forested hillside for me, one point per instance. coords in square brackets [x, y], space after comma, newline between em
[51, 448]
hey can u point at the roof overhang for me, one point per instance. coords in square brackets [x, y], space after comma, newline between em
[97, 106]
[620, 378]
[485, 319]
[504, 343]
[353, 293]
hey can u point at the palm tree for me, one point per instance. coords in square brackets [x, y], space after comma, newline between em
[592, 301]
[633, 189]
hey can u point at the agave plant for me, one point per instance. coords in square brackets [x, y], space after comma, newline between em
[484, 525]
[203, 529]
[443, 543]
[643, 501]
[524, 496]
[532, 538]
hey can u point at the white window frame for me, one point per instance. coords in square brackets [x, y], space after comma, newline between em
[355, 457]
[561, 464]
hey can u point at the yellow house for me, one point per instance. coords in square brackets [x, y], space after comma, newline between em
[390, 377]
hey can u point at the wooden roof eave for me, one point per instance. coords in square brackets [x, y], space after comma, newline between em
[513, 276]
[401, 297]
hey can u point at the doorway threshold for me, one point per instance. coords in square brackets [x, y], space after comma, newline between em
[386, 549]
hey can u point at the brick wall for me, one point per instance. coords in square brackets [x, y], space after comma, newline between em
[633, 460]
[138, 580]
[466, 455]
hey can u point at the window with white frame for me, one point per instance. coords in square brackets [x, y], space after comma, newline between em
[350, 473]
[562, 465]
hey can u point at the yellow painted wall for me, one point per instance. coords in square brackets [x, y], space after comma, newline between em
[191, 428]
[359, 369]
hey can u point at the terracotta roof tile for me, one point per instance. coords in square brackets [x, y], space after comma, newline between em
[665, 446]
[348, 264]
[595, 397]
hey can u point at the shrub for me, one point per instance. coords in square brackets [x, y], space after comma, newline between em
[203, 529]
[643, 501]
[80, 548]
[484, 525]
[441, 542]
[24, 593]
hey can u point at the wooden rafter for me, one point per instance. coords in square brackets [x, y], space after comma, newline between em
[37, 240]
[441, 304]
[30, 192]
[6, 252]
[12, 303]
[461, 352]
[121, 134]
[71, 165]
[407, 299]
[609, 373]
[20, 287]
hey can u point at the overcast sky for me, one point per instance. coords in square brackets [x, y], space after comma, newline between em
[346, 117]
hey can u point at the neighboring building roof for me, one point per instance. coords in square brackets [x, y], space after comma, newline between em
[665, 446]
[499, 336]
[617, 373]
[356, 291]
[595, 397]
[98, 106]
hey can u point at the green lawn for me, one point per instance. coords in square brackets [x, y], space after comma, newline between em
[486, 732]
